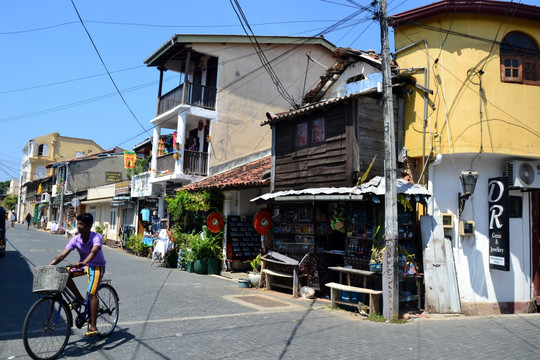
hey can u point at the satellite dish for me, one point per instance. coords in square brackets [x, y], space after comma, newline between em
[75, 202]
[526, 174]
[41, 172]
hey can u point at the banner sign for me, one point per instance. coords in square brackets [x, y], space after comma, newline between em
[499, 222]
[129, 159]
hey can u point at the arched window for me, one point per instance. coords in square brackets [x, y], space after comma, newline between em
[520, 59]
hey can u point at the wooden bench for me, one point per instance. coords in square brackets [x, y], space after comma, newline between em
[294, 276]
[336, 290]
[273, 257]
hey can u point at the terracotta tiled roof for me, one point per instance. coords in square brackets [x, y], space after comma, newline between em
[252, 174]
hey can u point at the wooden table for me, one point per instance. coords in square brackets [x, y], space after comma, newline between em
[343, 270]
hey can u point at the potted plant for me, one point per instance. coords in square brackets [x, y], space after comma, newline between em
[216, 252]
[255, 276]
[377, 252]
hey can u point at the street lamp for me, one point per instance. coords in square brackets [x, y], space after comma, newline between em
[468, 180]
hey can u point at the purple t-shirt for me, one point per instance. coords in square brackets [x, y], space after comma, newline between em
[84, 249]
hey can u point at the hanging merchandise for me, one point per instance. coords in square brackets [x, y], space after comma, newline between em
[263, 222]
[214, 222]
[161, 147]
[338, 220]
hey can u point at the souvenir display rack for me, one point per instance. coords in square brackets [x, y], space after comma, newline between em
[244, 240]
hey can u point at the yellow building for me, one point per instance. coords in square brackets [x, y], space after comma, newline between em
[43, 150]
[49, 148]
[479, 63]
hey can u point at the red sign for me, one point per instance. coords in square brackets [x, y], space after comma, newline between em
[263, 222]
[214, 222]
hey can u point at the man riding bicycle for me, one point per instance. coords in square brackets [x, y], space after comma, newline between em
[92, 263]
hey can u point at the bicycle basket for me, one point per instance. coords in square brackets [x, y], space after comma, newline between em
[50, 279]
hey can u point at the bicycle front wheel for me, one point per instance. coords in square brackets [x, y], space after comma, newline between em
[47, 328]
[108, 310]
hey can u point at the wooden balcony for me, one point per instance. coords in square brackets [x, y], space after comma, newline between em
[197, 95]
[165, 162]
[195, 163]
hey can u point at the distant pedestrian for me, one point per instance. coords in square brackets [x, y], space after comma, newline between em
[43, 222]
[13, 219]
[28, 219]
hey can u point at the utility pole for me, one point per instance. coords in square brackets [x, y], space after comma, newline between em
[390, 258]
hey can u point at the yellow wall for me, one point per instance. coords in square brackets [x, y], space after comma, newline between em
[60, 148]
[510, 112]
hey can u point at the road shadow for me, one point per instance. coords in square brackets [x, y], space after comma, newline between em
[82, 346]
[16, 279]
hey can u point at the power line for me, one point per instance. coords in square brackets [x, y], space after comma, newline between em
[160, 25]
[68, 81]
[78, 103]
[253, 39]
[105, 66]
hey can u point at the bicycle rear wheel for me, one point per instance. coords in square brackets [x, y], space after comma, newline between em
[47, 328]
[108, 310]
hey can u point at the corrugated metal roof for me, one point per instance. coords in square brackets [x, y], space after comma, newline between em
[375, 186]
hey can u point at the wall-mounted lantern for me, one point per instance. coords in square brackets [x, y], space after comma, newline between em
[468, 180]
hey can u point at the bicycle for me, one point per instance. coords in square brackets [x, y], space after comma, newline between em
[48, 324]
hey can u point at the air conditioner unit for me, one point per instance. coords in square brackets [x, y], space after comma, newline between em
[523, 174]
[45, 197]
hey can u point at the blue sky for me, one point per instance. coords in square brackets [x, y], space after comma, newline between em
[57, 50]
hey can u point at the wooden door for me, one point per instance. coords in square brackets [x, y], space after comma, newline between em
[535, 215]
[440, 280]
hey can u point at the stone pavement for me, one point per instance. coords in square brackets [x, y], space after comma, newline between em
[170, 314]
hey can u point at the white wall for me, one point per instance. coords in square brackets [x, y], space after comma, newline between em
[477, 282]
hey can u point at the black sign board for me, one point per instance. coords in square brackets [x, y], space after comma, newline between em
[113, 176]
[499, 234]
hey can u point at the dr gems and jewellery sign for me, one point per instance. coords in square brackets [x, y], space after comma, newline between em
[499, 235]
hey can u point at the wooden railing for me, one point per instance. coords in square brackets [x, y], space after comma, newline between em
[195, 163]
[202, 96]
[197, 95]
[170, 100]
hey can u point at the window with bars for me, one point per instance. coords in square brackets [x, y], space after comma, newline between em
[520, 59]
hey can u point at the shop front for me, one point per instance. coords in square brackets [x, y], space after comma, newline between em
[330, 230]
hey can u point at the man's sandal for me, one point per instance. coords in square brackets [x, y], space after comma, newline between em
[91, 333]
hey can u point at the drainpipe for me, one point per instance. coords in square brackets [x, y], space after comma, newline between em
[426, 85]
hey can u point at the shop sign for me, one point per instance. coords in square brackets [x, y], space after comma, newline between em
[142, 187]
[121, 188]
[499, 234]
[113, 176]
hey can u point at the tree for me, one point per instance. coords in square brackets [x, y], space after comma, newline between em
[10, 202]
[4, 186]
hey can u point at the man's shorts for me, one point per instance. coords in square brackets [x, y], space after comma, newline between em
[95, 274]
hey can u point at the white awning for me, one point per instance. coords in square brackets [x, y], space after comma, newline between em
[374, 187]
[97, 201]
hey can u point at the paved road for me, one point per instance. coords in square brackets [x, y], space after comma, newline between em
[170, 314]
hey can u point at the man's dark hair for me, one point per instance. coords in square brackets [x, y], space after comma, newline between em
[86, 218]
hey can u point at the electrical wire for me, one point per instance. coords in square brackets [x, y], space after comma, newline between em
[106, 68]
[159, 25]
[78, 103]
[264, 60]
[68, 81]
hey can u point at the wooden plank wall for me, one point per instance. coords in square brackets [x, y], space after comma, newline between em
[317, 166]
[370, 135]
